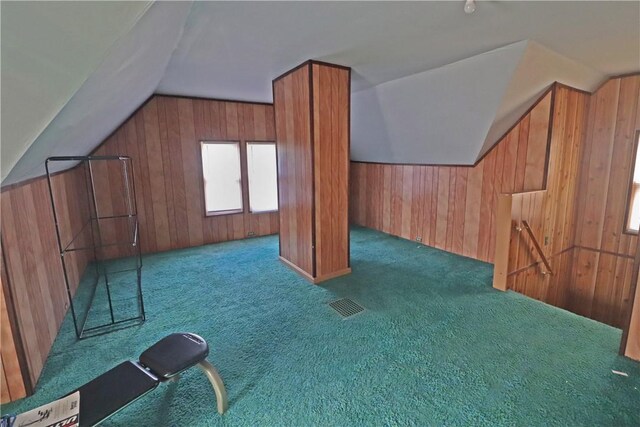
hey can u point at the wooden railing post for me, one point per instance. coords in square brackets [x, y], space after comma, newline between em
[503, 238]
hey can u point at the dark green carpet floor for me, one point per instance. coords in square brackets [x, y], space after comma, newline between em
[436, 346]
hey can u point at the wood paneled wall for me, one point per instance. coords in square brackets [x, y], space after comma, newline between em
[312, 107]
[331, 133]
[13, 384]
[604, 253]
[449, 207]
[292, 101]
[591, 254]
[578, 220]
[34, 272]
[631, 336]
[163, 140]
[453, 207]
[551, 213]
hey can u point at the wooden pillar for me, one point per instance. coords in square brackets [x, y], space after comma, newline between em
[14, 380]
[312, 109]
[630, 345]
[503, 241]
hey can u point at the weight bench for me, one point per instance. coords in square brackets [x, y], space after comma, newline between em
[129, 381]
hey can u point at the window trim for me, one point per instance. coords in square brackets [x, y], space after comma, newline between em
[265, 142]
[208, 213]
[630, 187]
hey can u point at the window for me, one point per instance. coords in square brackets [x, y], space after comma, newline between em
[222, 177]
[633, 214]
[223, 170]
[263, 176]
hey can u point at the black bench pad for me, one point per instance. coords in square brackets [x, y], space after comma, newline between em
[113, 390]
[174, 353]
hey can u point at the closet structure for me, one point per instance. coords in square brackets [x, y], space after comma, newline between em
[312, 115]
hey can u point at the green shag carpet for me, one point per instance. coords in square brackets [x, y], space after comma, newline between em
[435, 346]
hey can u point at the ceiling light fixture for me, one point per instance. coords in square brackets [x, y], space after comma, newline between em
[470, 6]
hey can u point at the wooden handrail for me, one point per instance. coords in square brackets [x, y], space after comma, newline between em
[537, 246]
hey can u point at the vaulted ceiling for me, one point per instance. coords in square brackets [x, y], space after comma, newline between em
[431, 84]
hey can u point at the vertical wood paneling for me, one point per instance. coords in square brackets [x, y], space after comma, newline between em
[453, 208]
[579, 219]
[191, 122]
[582, 206]
[603, 257]
[34, 272]
[163, 140]
[632, 345]
[312, 107]
[331, 100]
[5, 395]
[472, 208]
[12, 385]
[156, 164]
[550, 213]
[503, 240]
[291, 96]
[536, 147]
[459, 210]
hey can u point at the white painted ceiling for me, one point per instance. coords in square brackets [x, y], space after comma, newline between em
[454, 113]
[126, 77]
[48, 50]
[234, 49]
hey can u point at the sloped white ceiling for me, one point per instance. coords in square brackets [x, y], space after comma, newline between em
[124, 80]
[48, 50]
[539, 67]
[435, 116]
[454, 114]
[234, 49]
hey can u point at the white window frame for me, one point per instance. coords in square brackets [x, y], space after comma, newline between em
[204, 181]
[634, 187]
[248, 178]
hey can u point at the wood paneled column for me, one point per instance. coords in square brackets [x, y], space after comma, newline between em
[630, 345]
[312, 109]
[14, 379]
